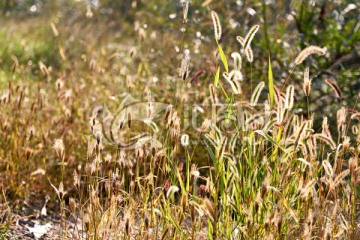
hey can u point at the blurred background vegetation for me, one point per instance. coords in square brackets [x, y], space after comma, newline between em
[286, 28]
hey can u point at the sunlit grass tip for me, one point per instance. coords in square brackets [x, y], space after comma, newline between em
[217, 25]
[309, 51]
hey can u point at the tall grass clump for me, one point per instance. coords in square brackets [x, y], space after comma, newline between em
[258, 168]
[273, 176]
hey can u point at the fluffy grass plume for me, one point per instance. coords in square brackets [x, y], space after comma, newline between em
[237, 60]
[250, 35]
[217, 25]
[256, 94]
[235, 85]
[307, 52]
[249, 54]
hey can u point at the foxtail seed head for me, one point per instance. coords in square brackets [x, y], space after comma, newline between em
[334, 86]
[240, 40]
[185, 11]
[217, 25]
[237, 60]
[255, 96]
[249, 54]
[250, 35]
[289, 99]
[59, 148]
[185, 65]
[235, 85]
[309, 51]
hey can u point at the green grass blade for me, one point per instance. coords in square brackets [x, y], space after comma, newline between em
[267, 137]
[271, 85]
[217, 76]
[223, 57]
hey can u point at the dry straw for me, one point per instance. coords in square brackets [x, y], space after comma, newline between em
[217, 25]
[307, 52]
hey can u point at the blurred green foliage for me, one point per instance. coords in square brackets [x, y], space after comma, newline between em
[286, 28]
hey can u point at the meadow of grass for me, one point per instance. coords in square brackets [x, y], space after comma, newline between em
[115, 128]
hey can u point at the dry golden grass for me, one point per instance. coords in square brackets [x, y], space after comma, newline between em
[151, 171]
